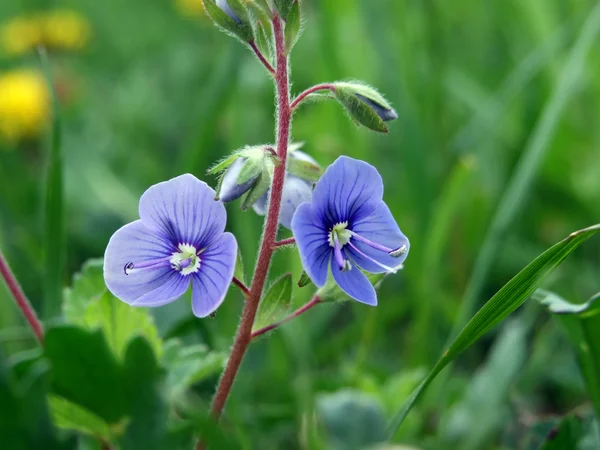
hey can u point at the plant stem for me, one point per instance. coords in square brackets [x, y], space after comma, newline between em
[283, 242]
[244, 332]
[312, 90]
[242, 286]
[261, 57]
[315, 301]
[21, 300]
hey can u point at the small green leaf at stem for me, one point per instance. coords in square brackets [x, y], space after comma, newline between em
[275, 304]
[292, 27]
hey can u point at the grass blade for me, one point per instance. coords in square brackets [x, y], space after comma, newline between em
[54, 241]
[505, 301]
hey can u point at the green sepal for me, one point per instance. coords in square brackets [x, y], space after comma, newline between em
[239, 8]
[223, 164]
[360, 111]
[304, 169]
[242, 31]
[304, 280]
[284, 7]
[275, 304]
[255, 159]
[359, 88]
[292, 27]
[264, 5]
[262, 185]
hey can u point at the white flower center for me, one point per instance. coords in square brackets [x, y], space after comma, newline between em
[343, 235]
[187, 260]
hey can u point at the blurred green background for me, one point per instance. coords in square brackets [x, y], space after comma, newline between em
[151, 89]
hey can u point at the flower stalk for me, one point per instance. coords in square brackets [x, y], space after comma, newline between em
[261, 57]
[314, 302]
[244, 332]
[302, 96]
[21, 300]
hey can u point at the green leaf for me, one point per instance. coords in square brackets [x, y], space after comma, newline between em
[351, 420]
[70, 416]
[284, 7]
[275, 304]
[54, 234]
[582, 325]
[223, 164]
[121, 322]
[304, 280]
[505, 301]
[292, 27]
[187, 366]
[304, 169]
[88, 286]
[566, 436]
[239, 268]
[96, 381]
[24, 418]
[88, 303]
[242, 31]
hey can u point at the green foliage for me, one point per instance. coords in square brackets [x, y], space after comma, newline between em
[242, 31]
[582, 325]
[360, 111]
[567, 435]
[70, 416]
[275, 304]
[292, 26]
[88, 303]
[505, 301]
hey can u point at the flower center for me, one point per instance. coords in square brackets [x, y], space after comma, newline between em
[340, 235]
[187, 260]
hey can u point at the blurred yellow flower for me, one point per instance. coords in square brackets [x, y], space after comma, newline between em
[59, 30]
[190, 8]
[24, 104]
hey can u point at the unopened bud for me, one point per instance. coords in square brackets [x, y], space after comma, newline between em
[365, 105]
[231, 189]
[224, 5]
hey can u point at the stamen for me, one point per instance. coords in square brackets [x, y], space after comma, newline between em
[128, 266]
[343, 263]
[393, 252]
[374, 261]
[152, 264]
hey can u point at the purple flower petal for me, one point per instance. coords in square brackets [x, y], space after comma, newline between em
[295, 192]
[211, 282]
[312, 242]
[183, 210]
[380, 227]
[349, 190]
[355, 284]
[140, 245]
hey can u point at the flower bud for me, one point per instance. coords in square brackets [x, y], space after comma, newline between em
[224, 5]
[365, 105]
[295, 192]
[231, 189]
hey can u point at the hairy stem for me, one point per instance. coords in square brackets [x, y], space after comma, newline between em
[21, 300]
[241, 286]
[284, 242]
[312, 90]
[244, 332]
[315, 301]
[261, 57]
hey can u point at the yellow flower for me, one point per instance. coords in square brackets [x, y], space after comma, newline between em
[20, 35]
[59, 30]
[190, 8]
[66, 30]
[24, 104]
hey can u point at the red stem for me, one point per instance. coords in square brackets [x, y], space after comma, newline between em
[288, 241]
[21, 300]
[315, 301]
[242, 286]
[261, 57]
[312, 90]
[244, 332]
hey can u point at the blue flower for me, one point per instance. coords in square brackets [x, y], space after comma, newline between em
[179, 240]
[347, 224]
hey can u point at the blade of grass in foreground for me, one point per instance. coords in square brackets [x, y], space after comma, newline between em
[505, 301]
[53, 207]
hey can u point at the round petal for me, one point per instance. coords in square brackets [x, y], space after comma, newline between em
[355, 284]
[348, 191]
[311, 239]
[149, 287]
[211, 282]
[381, 228]
[295, 192]
[184, 210]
